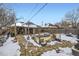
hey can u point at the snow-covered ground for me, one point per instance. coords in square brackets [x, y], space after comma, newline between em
[52, 42]
[12, 49]
[32, 41]
[9, 48]
[63, 52]
[67, 38]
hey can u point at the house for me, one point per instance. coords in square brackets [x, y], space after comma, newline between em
[25, 28]
[31, 28]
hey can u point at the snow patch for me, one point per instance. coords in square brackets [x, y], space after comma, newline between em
[52, 43]
[67, 38]
[9, 48]
[63, 52]
[32, 41]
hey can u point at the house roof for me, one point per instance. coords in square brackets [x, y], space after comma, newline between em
[22, 24]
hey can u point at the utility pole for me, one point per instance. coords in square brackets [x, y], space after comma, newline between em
[28, 31]
[15, 28]
[27, 34]
[15, 40]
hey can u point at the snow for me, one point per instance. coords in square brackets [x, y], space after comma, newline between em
[17, 24]
[64, 52]
[12, 49]
[59, 36]
[32, 41]
[67, 50]
[32, 26]
[52, 43]
[67, 38]
[9, 48]
[23, 25]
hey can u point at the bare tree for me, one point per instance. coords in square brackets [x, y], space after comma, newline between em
[72, 17]
[65, 23]
[6, 17]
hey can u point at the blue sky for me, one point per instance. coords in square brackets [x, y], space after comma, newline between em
[52, 13]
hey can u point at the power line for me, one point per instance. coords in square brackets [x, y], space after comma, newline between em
[35, 6]
[38, 11]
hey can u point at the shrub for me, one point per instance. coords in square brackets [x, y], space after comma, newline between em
[12, 34]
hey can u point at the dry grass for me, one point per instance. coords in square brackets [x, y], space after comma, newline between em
[37, 51]
[45, 39]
